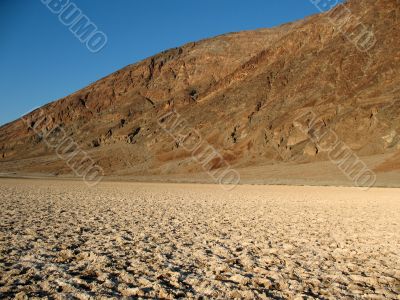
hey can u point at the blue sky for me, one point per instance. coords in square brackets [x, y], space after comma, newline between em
[42, 61]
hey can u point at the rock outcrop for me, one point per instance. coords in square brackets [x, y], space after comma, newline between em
[246, 94]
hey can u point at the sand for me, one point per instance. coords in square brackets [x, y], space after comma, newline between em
[61, 239]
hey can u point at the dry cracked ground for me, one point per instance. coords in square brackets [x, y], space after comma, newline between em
[61, 239]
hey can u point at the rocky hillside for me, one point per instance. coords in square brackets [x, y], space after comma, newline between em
[250, 95]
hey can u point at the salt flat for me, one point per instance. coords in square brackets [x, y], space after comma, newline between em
[63, 239]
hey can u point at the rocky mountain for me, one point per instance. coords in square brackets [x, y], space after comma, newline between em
[257, 97]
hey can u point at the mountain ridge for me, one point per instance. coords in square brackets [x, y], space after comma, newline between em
[242, 92]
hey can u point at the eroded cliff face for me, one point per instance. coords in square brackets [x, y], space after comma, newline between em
[249, 94]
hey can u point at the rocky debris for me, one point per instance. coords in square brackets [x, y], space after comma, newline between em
[96, 143]
[109, 134]
[194, 95]
[131, 136]
[234, 135]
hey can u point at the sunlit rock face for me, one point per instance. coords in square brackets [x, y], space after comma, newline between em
[246, 94]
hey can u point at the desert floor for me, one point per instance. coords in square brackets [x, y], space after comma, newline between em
[63, 239]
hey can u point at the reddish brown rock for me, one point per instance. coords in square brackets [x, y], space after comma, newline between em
[243, 92]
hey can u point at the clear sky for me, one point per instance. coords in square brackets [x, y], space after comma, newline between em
[42, 61]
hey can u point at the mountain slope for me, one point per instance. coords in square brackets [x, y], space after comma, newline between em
[248, 94]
